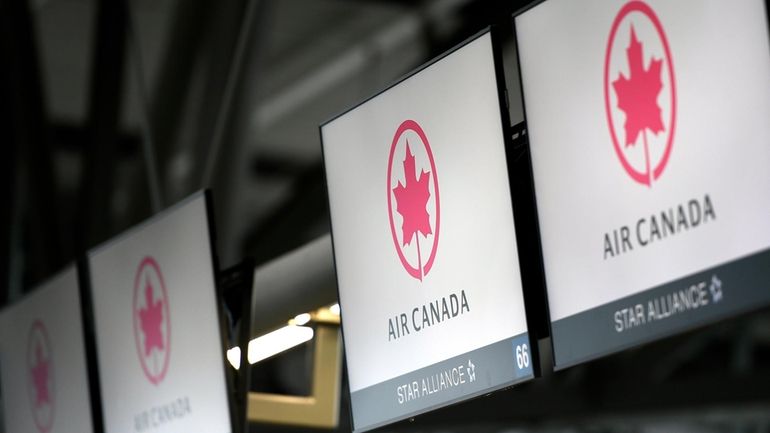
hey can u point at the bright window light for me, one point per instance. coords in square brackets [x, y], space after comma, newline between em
[335, 309]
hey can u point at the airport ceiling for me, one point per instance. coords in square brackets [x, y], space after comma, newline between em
[221, 94]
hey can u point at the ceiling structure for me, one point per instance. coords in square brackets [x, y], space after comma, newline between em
[225, 95]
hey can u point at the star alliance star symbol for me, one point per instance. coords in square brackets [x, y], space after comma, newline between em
[471, 370]
[716, 288]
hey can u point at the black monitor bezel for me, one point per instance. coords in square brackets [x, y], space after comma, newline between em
[228, 373]
[495, 37]
[92, 384]
[598, 355]
[535, 209]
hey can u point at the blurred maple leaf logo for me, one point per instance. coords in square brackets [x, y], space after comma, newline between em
[152, 323]
[151, 317]
[40, 378]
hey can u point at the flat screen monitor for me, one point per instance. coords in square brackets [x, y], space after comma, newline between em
[159, 341]
[649, 130]
[424, 241]
[43, 369]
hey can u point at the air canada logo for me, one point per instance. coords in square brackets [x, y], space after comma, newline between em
[413, 199]
[40, 377]
[152, 323]
[640, 92]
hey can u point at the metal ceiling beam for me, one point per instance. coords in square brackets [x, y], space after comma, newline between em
[9, 162]
[166, 99]
[186, 31]
[224, 178]
[105, 103]
[29, 136]
[228, 53]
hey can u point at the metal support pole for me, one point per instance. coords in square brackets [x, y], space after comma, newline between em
[104, 116]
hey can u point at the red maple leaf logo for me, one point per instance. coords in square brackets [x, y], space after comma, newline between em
[638, 91]
[151, 317]
[411, 200]
[638, 94]
[40, 378]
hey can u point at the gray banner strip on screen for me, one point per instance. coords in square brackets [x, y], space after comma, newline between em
[471, 374]
[722, 291]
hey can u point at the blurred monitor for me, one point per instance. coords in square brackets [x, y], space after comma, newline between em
[649, 130]
[159, 341]
[43, 368]
[424, 242]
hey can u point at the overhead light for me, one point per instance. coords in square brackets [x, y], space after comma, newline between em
[302, 319]
[278, 341]
[234, 356]
[335, 309]
[271, 344]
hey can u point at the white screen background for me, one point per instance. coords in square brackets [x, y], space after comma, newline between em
[57, 304]
[179, 242]
[455, 101]
[721, 145]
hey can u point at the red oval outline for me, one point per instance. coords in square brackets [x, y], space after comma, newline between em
[639, 6]
[408, 125]
[154, 379]
[40, 326]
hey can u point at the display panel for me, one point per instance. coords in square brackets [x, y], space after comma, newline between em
[158, 335]
[650, 140]
[43, 368]
[424, 241]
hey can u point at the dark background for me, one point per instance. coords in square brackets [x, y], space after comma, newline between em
[113, 110]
